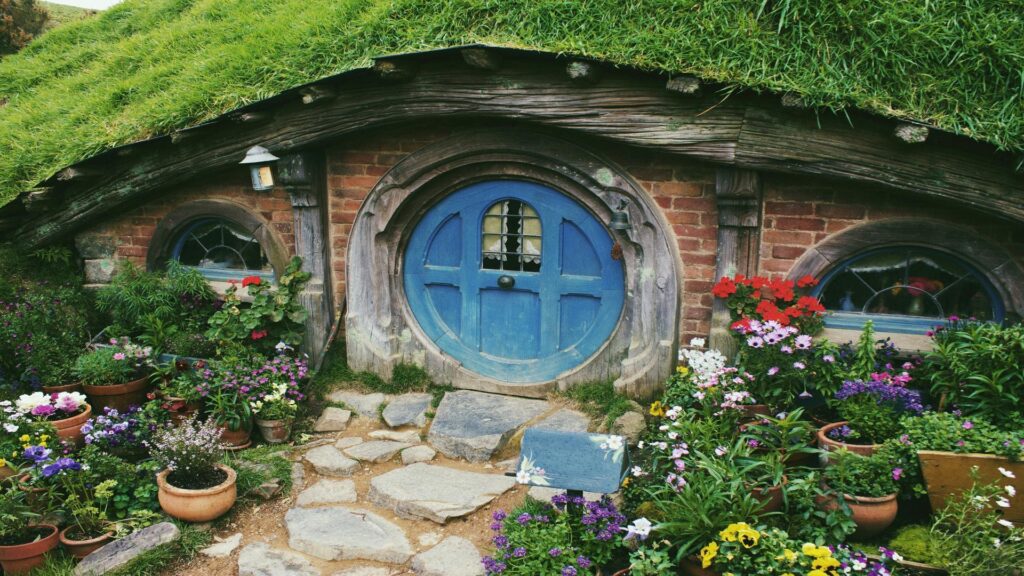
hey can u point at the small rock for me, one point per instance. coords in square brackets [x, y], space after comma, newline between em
[453, 557]
[332, 419]
[328, 491]
[418, 454]
[409, 436]
[223, 547]
[565, 420]
[268, 490]
[407, 409]
[261, 560]
[364, 404]
[365, 571]
[298, 476]
[329, 461]
[507, 465]
[123, 551]
[340, 534]
[630, 425]
[475, 425]
[436, 493]
[348, 442]
[429, 539]
[376, 450]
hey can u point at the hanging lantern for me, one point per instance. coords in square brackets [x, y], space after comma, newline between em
[260, 161]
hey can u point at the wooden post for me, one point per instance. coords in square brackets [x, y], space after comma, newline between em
[738, 193]
[303, 175]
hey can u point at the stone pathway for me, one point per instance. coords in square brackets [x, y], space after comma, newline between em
[371, 498]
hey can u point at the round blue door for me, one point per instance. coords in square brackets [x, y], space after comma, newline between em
[513, 279]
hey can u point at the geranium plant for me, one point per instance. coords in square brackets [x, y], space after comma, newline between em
[873, 410]
[51, 407]
[771, 299]
[119, 363]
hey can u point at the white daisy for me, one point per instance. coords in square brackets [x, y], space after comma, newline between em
[1006, 472]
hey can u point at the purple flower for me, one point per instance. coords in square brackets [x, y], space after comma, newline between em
[519, 552]
[897, 473]
[555, 552]
[501, 541]
[499, 515]
[901, 398]
[968, 425]
[583, 561]
[524, 518]
[36, 454]
[799, 365]
[773, 370]
[568, 571]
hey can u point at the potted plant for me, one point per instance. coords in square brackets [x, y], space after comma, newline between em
[766, 479]
[178, 384]
[274, 413]
[870, 413]
[85, 504]
[121, 434]
[115, 376]
[23, 543]
[649, 560]
[787, 434]
[949, 446]
[67, 412]
[916, 548]
[194, 486]
[868, 487]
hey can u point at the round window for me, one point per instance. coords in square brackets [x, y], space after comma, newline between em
[221, 250]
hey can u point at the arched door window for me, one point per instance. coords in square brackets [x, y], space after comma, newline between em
[221, 250]
[511, 237]
[906, 289]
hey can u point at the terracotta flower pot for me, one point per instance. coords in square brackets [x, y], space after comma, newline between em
[180, 409]
[826, 443]
[118, 397]
[871, 515]
[948, 474]
[755, 411]
[275, 431]
[22, 558]
[772, 496]
[7, 472]
[232, 440]
[692, 567]
[81, 548]
[73, 387]
[197, 505]
[70, 429]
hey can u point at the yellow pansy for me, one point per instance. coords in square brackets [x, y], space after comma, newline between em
[682, 370]
[625, 482]
[25, 438]
[815, 551]
[787, 555]
[657, 409]
[817, 573]
[708, 553]
[44, 438]
[824, 563]
[3, 462]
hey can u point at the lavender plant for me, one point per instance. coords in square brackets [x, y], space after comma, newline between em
[872, 410]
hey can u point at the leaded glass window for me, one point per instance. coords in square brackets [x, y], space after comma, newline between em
[511, 237]
[221, 250]
[906, 289]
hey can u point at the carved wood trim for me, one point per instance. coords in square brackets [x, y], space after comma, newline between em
[381, 330]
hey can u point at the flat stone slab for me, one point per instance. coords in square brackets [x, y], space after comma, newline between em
[565, 420]
[364, 404]
[365, 571]
[223, 547]
[329, 461]
[123, 551]
[454, 556]
[328, 491]
[418, 454]
[410, 436]
[407, 410]
[332, 419]
[259, 559]
[341, 534]
[376, 450]
[475, 425]
[436, 493]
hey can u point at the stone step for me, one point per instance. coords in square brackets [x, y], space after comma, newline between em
[437, 493]
[475, 426]
[343, 534]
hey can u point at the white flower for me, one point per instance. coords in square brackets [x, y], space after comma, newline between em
[698, 342]
[638, 471]
[1003, 502]
[997, 543]
[1005, 523]
[27, 402]
[896, 556]
[640, 527]
[721, 451]
[663, 427]
[1006, 472]
[615, 442]
[640, 444]
[523, 476]
[10, 428]
[673, 435]
[1011, 490]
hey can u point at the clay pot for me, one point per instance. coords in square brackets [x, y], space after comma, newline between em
[949, 474]
[772, 497]
[81, 548]
[22, 558]
[70, 429]
[183, 410]
[34, 495]
[232, 440]
[6, 472]
[73, 387]
[197, 505]
[118, 397]
[755, 411]
[871, 515]
[274, 431]
[799, 459]
[692, 567]
[826, 443]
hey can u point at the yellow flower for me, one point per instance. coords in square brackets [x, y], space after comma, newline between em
[683, 370]
[625, 482]
[25, 438]
[708, 553]
[3, 462]
[787, 555]
[817, 573]
[657, 409]
[748, 537]
[731, 532]
[824, 563]
[44, 437]
[815, 551]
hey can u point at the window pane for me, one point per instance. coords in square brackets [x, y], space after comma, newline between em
[511, 237]
[215, 244]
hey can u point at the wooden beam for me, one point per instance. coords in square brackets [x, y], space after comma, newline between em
[688, 85]
[394, 70]
[39, 200]
[75, 174]
[481, 59]
[582, 72]
[793, 100]
[316, 94]
[253, 117]
[910, 133]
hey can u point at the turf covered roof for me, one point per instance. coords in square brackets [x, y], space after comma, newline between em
[147, 67]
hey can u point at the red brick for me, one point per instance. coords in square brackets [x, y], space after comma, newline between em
[697, 286]
[776, 266]
[788, 252]
[347, 169]
[353, 157]
[679, 189]
[138, 251]
[343, 217]
[788, 223]
[695, 231]
[696, 313]
[791, 237]
[702, 259]
[686, 244]
[833, 226]
[803, 194]
[663, 201]
[699, 204]
[789, 208]
[357, 182]
[677, 217]
[845, 211]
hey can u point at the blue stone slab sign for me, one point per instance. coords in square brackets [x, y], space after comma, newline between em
[572, 460]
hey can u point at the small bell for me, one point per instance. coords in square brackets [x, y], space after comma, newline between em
[620, 217]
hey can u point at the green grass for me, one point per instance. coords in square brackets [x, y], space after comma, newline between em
[61, 14]
[146, 67]
[599, 400]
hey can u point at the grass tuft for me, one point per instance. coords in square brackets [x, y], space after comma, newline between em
[599, 400]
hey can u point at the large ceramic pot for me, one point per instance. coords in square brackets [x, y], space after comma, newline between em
[81, 548]
[118, 397]
[871, 515]
[70, 429]
[22, 558]
[948, 474]
[197, 505]
[826, 443]
[73, 387]
[274, 431]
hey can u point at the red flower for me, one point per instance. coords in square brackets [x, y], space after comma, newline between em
[725, 288]
[759, 282]
[258, 334]
[810, 304]
[742, 325]
[807, 281]
[251, 280]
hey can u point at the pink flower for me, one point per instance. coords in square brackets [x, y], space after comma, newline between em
[799, 365]
[119, 356]
[773, 370]
[897, 473]
[968, 425]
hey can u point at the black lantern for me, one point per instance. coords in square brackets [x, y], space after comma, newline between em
[620, 217]
[260, 160]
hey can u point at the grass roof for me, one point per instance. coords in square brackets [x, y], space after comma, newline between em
[146, 67]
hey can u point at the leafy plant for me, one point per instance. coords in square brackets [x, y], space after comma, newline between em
[806, 519]
[780, 301]
[119, 363]
[976, 367]
[599, 400]
[856, 475]
[873, 410]
[274, 315]
[191, 452]
[787, 433]
[16, 518]
[651, 560]
[916, 543]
